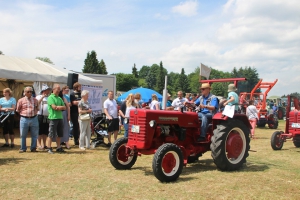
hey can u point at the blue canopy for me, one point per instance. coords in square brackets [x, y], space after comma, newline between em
[145, 94]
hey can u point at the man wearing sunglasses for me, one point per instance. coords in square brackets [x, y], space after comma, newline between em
[28, 107]
[208, 104]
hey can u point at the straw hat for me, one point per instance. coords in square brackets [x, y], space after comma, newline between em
[231, 88]
[205, 85]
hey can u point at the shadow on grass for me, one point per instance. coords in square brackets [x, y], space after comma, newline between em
[255, 167]
[201, 165]
[4, 161]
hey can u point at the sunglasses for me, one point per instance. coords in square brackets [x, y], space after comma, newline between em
[28, 91]
[203, 88]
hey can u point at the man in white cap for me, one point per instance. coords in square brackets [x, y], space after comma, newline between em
[233, 98]
[209, 105]
[43, 116]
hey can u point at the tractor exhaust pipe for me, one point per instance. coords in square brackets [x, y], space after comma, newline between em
[165, 93]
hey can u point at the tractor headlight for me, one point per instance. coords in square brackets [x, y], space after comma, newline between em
[152, 123]
[126, 120]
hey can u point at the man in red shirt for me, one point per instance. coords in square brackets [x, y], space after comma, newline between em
[28, 107]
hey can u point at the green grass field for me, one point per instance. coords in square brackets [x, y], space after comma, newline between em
[76, 174]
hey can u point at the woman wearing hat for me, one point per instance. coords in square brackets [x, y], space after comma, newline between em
[233, 98]
[43, 116]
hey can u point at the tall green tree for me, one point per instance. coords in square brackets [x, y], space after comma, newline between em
[193, 80]
[135, 71]
[102, 65]
[45, 59]
[144, 71]
[250, 73]
[91, 64]
[160, 79]
[182, 82]
[125, 82]
[151, 78]
[171, 86]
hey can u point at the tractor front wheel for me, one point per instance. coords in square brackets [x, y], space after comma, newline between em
[230, 145]
[273, 124]
[167, 162]
[119, 156]
[276, 140]
[296, 140]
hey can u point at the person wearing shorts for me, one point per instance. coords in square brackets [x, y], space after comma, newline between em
[56, 125]
[43, 117]
[111, 112]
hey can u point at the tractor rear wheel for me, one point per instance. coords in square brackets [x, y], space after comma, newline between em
[167, 162]
[296, 140]
[276, 140]
[230, 145]
[118, 157]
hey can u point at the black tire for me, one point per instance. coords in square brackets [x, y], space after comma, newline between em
[273, 124]
[296, 140]
[117, 155]
[167, 162]
[261, 123]
[230, 145]
[276, 140]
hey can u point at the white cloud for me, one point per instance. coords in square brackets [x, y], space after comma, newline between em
[262, 34]
[188, 8]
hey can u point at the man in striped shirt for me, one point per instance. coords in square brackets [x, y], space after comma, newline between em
[28, 107]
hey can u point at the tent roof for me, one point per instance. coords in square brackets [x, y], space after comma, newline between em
[25, 69]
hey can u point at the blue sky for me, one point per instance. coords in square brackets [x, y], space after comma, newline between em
[182, 34]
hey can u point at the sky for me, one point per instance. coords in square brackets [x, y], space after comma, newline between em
[264, 34]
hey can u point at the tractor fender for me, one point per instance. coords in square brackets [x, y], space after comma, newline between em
[242, 117]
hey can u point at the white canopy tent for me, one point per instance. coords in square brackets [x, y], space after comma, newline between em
[18, 72]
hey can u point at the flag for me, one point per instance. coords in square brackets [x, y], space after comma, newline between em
[205, 71]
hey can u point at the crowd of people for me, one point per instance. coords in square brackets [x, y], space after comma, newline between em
[49, 115]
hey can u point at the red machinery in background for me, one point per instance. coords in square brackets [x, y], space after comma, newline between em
[292, 126]
[260, 101]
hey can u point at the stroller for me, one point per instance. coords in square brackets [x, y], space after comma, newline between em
[3, 117]
[100, 127]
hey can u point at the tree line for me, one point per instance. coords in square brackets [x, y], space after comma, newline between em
[153, 77]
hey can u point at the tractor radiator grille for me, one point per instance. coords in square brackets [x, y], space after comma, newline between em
[140, 140]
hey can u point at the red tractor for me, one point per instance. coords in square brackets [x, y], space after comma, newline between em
[292, 126]
[261, 103]
[172, 137]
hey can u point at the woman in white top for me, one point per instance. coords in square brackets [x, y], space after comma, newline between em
[251, 112]
[154, 105]
[130, 105]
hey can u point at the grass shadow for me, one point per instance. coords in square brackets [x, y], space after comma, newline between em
[255, 167]
[4, 161]
[199, 166]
